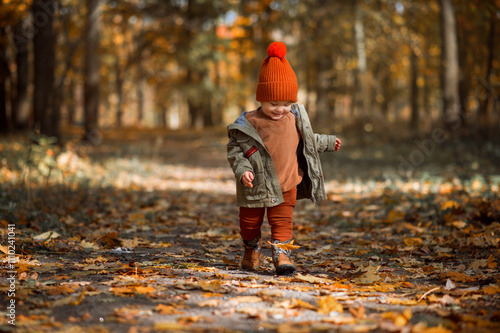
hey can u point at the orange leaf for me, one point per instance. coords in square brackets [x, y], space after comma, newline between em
[229, 261]
[61, 290]
[145, 290]
[167, 310]
[491, 290]
[491, 262]
[329, 304]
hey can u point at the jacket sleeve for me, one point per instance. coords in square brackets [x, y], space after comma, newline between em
[236, 157]
[324, 142]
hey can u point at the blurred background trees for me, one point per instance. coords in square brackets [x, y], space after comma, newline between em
[365, 65]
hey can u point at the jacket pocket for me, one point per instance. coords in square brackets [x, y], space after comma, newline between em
[258, 191]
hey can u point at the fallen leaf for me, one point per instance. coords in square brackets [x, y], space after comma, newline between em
[209, 303]
[329, 304]
[369, 276]
[212, 286]
[286, 247]
[246, 299]
[313, 279]
[358, 312]
[491, 262]
[229, 261]
[491, 290]
[294, 304]
[71, 300]
[46, 236]
[167, 310]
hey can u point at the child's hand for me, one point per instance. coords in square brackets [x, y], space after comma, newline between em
[247, 178]
[337, 144]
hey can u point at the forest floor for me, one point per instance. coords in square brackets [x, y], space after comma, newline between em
[140, 234]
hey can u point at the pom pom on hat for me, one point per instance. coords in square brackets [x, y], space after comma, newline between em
[277, 49]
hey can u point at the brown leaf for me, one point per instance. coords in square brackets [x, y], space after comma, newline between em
[71, 300]
[62, 290]
[111, 239]
[369, 276]
[229, 261]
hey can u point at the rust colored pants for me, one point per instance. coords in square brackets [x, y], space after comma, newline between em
[279, 217]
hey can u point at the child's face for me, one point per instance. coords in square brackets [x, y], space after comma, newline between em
[276, 109]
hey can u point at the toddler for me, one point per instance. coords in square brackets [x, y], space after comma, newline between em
[275, 157]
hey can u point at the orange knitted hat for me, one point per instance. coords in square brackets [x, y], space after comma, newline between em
[277, 80]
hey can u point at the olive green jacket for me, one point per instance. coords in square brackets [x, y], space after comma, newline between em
[246, 152]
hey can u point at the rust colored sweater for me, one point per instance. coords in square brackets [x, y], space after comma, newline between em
[281, 139]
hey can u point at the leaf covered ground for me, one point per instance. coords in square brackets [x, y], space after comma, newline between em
[140, 234]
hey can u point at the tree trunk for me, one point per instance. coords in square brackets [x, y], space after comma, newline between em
[364, 83]
[414, 92]
[44, 106]
[450, 75]
[208, 120]
[119, 92]
[21, 106]
[323, 106]
[92, 63]
[164, 116]
[4, 75]
[140, 76]
[71, 101]
[483, 111]
[140, 95]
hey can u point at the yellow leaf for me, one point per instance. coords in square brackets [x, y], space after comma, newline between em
[400, 321]
[329, 304]
[298, 303]
[449, 204]
[313, 279]
[399, 301]
[286, 247]
[169, 326]
[412, 241]
[211, 285]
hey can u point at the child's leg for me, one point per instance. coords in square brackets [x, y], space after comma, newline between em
[250, 222]
[281, 217]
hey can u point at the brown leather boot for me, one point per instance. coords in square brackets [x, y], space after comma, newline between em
[251, 258]
[281, 259]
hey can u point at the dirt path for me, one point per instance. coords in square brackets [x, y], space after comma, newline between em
[147, 240]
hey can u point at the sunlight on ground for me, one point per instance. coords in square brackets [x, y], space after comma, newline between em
[148, 174]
